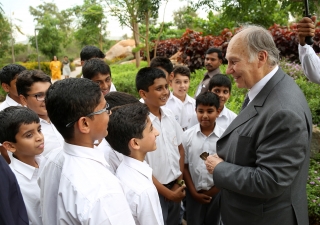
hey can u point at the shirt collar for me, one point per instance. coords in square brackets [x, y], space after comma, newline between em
[223, 112]
[218, 131]
[141, 167]
[213, 72]
[95, 154]
[25, 169]
[162, 112]
[11, 102]
[254, 91]
[188, 99]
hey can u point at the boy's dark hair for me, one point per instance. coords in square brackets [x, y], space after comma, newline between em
[10, 72]
[126, 122]
[89, 52]
[208, 99]
[27, 78]
[215, 50]
[182, 70]
[220, 80]
[117, 98]
[12, 118]
[162, 62]
[93, 67]
[146, 76]
[69, 99]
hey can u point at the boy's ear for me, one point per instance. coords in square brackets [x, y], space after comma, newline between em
[9, 146]
[142, 94]
[23, 100]
[134, 144]
[83, 125]
[5, 87]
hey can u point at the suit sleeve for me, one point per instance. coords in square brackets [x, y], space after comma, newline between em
[279, 156]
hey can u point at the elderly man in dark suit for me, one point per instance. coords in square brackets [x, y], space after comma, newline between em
[262, 158]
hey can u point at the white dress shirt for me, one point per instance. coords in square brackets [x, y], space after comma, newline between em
[141, 194]
[226, 116]
[87, 192]
[184, 112]
[164, 161]
[112, 88]
[52, 137]
[8, 102]
[27, 178]
[254, 91]
[310, 63]
[112, 157]
[195, 143]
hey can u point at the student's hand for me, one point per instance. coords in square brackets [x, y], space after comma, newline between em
[306, 28]
[201, 198]
[211, 192]
[178, 193]
[212, 161]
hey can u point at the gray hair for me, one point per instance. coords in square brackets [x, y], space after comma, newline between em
[259, 39]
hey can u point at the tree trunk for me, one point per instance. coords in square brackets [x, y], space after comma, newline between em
[147, 37]
[12, 48]
[136, 40]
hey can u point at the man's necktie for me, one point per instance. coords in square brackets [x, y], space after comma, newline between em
[245, 103]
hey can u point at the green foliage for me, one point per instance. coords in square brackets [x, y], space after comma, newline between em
[91, 25]
[44, 66]
[4, 36]
[123, 77]
[183, 17]
[313, 190]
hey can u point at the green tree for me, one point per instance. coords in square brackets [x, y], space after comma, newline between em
[92, 23]
[5, 36]
[183, 17]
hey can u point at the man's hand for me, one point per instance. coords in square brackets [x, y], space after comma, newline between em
[212, 161]
[177, 193]
[306, 28]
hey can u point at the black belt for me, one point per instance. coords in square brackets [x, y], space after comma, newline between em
[170, 185]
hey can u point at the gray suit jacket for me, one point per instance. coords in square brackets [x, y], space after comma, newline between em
[266, 151]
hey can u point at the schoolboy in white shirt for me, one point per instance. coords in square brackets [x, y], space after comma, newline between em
[86, 191]
[8, 79]
[220, 84]
[167, 161]
[180, 82]
[132, 134]
[20, 133]
[32, 86]
[202, 200]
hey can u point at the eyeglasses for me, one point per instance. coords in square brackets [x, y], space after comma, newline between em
[106, 109]
[39, 96]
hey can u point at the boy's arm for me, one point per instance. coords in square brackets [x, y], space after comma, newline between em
[176, 195]
[212, 191]
[200, 197]
[181, 161]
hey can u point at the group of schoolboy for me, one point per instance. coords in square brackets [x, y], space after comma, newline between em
[85, 155]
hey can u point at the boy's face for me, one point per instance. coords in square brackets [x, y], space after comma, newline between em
[223, 93]
[148, 142]
[11, 89]
[158, 93]
[104, 81]
[29, 141]
[207, 115]
[37, 91]
[99, 124]
[180, 85]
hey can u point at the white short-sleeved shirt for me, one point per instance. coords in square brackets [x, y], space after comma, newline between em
[184, 112]
[88, 193]
[112, 157]
[27, 178]
[224, 119]
[195, 143]
[141, 194]
[310, 63]
[8, 102]
[52, 137]
[226, 116]
[164, 161]
[112, 88]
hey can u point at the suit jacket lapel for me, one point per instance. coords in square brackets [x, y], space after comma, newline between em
[251, 111]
